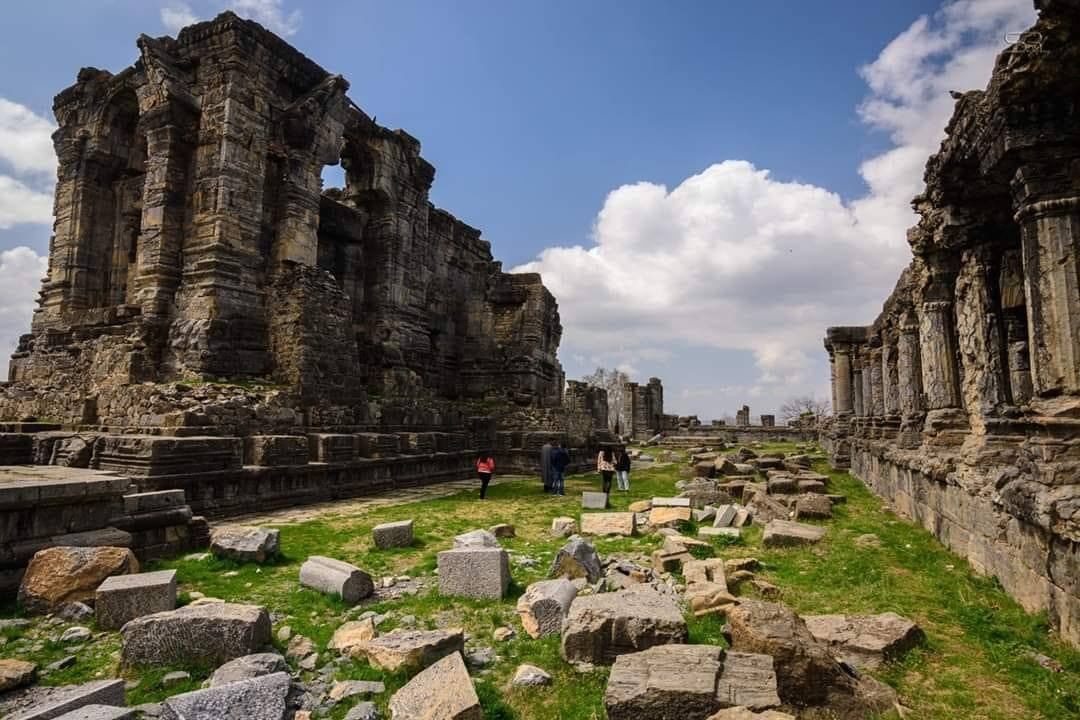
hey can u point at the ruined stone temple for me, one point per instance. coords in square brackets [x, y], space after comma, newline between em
[213, 322]
[960, 404]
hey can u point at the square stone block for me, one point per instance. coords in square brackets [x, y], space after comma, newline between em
[477, 572]
[393, 534]
[594, 500]
[125, 597]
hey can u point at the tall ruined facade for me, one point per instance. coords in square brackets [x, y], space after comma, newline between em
[193, 240]
[642, 413]
[961, 402]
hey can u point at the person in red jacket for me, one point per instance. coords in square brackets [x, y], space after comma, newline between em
[485, 468]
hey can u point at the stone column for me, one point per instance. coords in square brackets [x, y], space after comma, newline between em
[876, 382]
[857, 383]
[1050, 237]
[937, 340]
[844, 399]
[889, 377]
[909, 382]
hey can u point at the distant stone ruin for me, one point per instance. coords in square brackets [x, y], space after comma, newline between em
[960, 404]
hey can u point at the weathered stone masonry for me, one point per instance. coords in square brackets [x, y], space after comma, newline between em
[961, 403]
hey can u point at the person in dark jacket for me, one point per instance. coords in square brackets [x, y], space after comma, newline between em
[622, 469]
[485, 468]
[545, 466]
[560, 459]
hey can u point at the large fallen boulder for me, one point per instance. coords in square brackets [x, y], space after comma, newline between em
[687, 682]
[784, 533]
[69, 698]
[210, 633]
[335, 577]
[16, 674]
[544, 605]
[577, 559]
[866, 641]
[246, 544]
[411, 649]
[443, 691]
[260, 698]
[601, 627]
[807, 674]
[60, 575]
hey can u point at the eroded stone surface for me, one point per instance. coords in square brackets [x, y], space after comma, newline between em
[209, 633]
[544, 605]
[866, 641]
[601, 627]
[412, 649]
[444, 691]
[71, 574]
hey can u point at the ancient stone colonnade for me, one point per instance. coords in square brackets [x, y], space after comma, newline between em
[961, 402]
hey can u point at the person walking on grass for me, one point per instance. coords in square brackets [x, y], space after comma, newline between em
[485, 468]
[560, 459]
[605, 465]
[622, 468]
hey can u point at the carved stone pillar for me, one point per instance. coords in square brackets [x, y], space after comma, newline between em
[1050, 236]
[909, 381]
[937, 341]
[844, 403]
[890, 391]
[857, 384]
[876, 382]
[980, 337]
[1014, 316]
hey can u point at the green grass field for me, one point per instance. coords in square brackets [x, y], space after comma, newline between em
[976, 663]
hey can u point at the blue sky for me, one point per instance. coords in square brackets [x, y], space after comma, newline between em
[652, 144]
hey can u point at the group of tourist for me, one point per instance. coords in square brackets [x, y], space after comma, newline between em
[612, 462]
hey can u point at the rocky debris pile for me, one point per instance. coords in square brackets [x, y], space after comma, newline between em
[706, 587]
[601, 627]
[60, 575]
[393, 534]
[866, 641]
[245, 544]
[208, 633]
[475, 567]
[807, 674]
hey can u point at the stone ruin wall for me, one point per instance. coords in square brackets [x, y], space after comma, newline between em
[960, 404]
[193, 240]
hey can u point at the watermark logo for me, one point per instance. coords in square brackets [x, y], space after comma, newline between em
[1028, 42]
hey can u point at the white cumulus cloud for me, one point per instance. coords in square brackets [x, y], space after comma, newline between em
[21, 271]
[735, 259]
[20, 204]
[26, 139]
[268, 13]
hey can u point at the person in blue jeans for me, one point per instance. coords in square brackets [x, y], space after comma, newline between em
[622, 468]
[560, 459]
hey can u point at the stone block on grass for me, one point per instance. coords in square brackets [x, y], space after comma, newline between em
[621, 523]
[443, 691]
[594, 500]
[393, 534]
[476, 572]
[69, 698]
[335, 577]
[125, 597]
[210, 633]
[784, 533]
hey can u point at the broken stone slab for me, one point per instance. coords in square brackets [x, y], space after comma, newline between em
[72, 697]
[248, 667]
[640, 506]
[665, 682]
[747, 680]
[620, 523]
[335, 577]
[764, 509]
[210, 633]
[668, 516]
[475, 571]
[670, 560]
[810, 505]
[594, 500]
[724, 532]
[784, 533]
[725, 515]
[742, 518]
[544, 605]
[705, 514]
[352, 636]
[577, 559]
[393, 534]
[866, 641]
[260, 698]
[60, 575]
[16, 674]
[807, 674]
[245, 544]
[811, 486]
[100, 712]
[353, 688]
[445, 686]
[411, 649]
[782, 485]
[503, 531]
[476, 539]
[125, 597]
[136, 503]
[563, 527]
[601, 627]
[680, 502]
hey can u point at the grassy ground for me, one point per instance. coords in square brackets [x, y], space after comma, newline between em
[975, 664]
